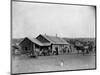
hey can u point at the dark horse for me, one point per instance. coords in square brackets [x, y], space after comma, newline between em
[80, 48]
[83, 49]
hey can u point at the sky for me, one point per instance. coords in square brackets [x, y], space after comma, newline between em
[72, 21]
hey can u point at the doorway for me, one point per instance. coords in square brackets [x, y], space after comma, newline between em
[56, 48]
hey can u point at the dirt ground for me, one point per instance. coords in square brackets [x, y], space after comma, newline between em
[24, 64]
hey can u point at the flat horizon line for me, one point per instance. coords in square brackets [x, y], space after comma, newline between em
[60, 37]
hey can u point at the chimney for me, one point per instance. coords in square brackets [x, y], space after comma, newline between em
[56, 35]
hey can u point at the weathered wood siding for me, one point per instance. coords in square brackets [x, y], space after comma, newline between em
[27, 46]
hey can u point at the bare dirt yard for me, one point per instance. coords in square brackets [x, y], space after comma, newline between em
[24, 64]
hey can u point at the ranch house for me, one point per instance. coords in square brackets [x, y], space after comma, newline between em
[56, 43]
[43, 42]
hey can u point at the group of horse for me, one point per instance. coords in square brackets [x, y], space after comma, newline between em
[84, 49]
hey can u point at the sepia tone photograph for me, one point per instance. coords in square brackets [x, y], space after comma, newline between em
[52, 37]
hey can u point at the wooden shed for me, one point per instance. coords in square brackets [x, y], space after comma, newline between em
[32, 45]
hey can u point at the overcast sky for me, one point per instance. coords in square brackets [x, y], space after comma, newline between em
[32, 19]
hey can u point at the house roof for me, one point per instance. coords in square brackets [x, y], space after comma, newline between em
[55, 39]
[38, 42]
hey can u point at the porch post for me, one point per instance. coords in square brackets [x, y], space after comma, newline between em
[51, 49]
[33, 48]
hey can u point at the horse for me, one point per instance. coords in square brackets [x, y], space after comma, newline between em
[80, 48]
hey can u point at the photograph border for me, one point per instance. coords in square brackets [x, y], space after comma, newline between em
[59, 4]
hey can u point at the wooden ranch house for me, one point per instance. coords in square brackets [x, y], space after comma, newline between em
[44, 44]
[57, 44]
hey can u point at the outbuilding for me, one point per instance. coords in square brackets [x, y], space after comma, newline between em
[32, 45]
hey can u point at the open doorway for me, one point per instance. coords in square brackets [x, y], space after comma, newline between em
[56, 48]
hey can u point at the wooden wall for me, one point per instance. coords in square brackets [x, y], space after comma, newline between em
[27, 46]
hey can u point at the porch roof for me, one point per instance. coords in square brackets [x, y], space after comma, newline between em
[55, 40]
